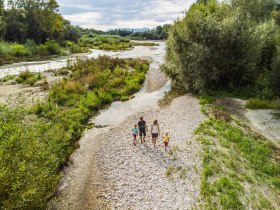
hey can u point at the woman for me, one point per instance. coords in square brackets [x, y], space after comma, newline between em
[155, 132]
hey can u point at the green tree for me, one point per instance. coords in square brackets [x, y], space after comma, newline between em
[2, 19]
[36, 19]
[224, 45]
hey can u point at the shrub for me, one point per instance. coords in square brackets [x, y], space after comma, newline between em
[5, 48]
[53, 47]
[19, 50]
[28, 78]
[32, 46]
[42, 50]
[74, 87]
[104, 97]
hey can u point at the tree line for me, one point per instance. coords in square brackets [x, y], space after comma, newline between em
[38, 20]
[227, 45]
[159, 33]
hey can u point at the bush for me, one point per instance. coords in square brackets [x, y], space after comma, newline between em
[5, 48]
[19, 50]
[28, 78]
[104, 97]
[32, 46]
[53, 47]
[42, 50]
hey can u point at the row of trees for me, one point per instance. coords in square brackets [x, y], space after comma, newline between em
[227, 44]
[160, 32]
[38, 20]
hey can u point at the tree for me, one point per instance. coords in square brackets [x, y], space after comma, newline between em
[70, 32]
[224, 45]
[2, 19]
[33, 19]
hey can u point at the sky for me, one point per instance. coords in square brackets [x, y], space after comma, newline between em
[110, 14]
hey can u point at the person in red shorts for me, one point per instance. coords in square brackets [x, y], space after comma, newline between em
[134, 133]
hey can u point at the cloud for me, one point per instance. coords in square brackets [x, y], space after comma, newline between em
[105, 14]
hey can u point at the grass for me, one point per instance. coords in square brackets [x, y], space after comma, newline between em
[147, 44]
[25, 77]
[256, 103]
[7, 78]
[237, 165]
[28, 78]
[206, 100]
[50, 129]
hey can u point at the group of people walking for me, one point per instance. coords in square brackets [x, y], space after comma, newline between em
[142, 130]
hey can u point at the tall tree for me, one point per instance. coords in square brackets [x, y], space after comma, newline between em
[2, 18]
[37, 19]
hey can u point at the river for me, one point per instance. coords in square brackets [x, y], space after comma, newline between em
[154, 88]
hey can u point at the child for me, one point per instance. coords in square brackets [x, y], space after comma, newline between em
[134, 133]
[166, 140]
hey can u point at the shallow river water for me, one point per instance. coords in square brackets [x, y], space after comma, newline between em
[155, 86]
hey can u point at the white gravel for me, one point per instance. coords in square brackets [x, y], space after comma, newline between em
[109, 172]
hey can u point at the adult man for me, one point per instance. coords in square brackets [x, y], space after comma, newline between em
[142, 127]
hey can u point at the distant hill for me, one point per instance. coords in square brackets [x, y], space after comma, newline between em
[132, 29]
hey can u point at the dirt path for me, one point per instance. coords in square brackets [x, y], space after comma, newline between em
[108, 171]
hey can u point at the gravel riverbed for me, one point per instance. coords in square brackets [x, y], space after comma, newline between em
[109, 172]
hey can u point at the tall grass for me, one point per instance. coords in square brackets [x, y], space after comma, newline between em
[36, 142]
